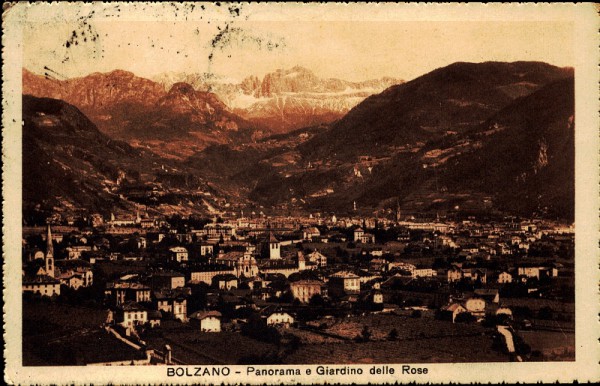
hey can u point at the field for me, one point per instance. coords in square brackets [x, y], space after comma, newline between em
[380, 325]
[451, 349]
[555, 346]
[58, 334]
[191, 346]
[424, 340]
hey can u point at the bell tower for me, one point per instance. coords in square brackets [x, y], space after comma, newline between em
[274, 246]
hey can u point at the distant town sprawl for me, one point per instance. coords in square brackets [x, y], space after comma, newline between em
[303, 289]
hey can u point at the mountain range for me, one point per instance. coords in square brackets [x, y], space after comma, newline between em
[284, 100]
[470, 137]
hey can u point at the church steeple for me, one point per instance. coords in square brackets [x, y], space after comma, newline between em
[49, 245]
[49, 259]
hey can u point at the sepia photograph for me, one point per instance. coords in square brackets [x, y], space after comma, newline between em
[272, 190]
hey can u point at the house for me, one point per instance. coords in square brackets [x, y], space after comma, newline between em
[168, 280]
[476, 307]
[424, 272]
[206, 249]
[206, 321]
[304, 290]
[504, 277]
[71, 279]
[503, 249]
[216, 231]
[280, 319]
[121, 292]
[74, 273]
[41, 284]
[178, 254]
[376, 294]
[454, 274]
[361, 237]
[225, 282]
[172, 302]
[344, 282]
[154, 317]
[205, 273]
[475, 274]
[130, 314]
[318, 258]
[75, 251]
[310, 233]
[451, 311]
[537, 271]
[378, 265]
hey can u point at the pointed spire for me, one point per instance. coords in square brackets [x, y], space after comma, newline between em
[49, 245]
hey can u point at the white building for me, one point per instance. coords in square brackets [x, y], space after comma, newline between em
[131, 314]
[178, 254]
[505, 277]
[280, 319]
[207, 321]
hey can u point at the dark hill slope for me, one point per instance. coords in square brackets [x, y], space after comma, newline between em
[458, 97]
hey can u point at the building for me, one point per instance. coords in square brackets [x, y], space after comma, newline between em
[75, 273]
[505, 277]
[318, 258]
[167, 280]
[274, 247]
[344, 283]
[310, 232]
[75, 251]
[476, 307]
[207, 321]
[451, 311]
[243, 263]
[122, 292]
[205, 273]
[225, 282]
[178, 254]
[49, 259]
[360, 236]
[131, 314]
[41, 284]
[172, 302]
[423, 272]
[218, 231]
[281, 319]
[304, 290]
[537, 271]
[206, 249]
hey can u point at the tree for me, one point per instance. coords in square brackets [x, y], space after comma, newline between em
[393, 334]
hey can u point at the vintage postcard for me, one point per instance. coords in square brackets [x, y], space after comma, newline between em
[274, 193]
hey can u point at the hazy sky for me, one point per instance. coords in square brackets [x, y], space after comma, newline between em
[255, 43]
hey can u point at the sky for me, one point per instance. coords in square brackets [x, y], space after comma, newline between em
[234, 43]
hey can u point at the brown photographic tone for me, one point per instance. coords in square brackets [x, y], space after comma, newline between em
[228, 191]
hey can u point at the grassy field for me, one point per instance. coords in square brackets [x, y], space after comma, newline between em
[555, 346]
[450, 349]
[57, 334]
[380, 325]
[195, 347]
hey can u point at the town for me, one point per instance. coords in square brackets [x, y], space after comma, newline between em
[133, 288]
